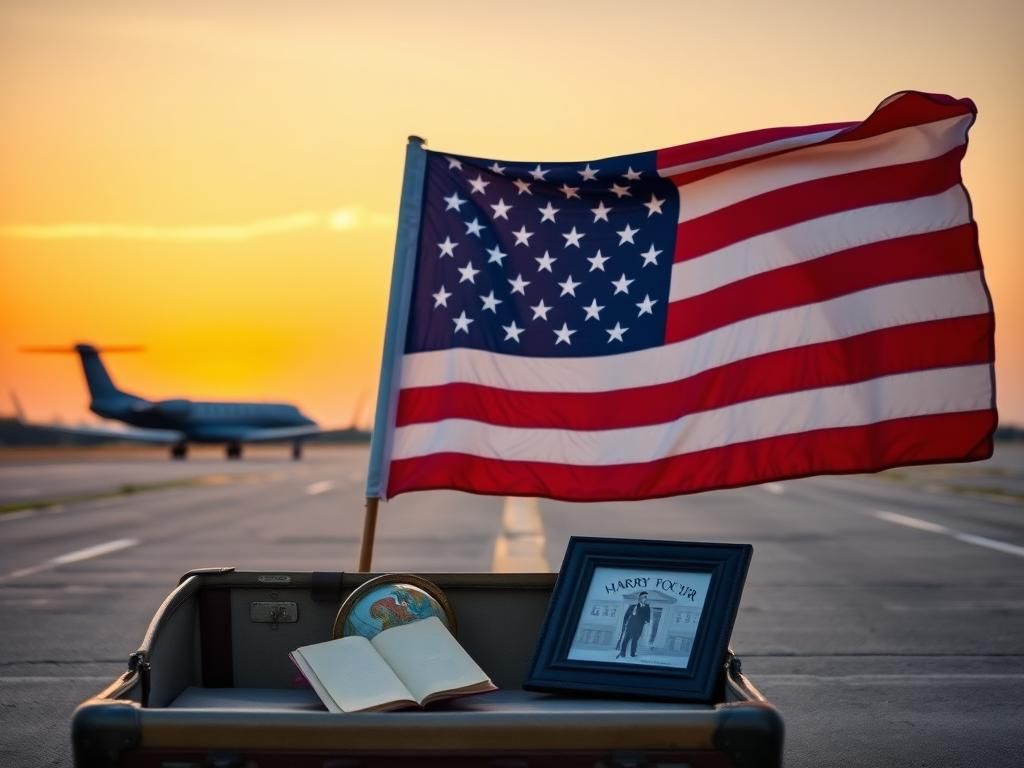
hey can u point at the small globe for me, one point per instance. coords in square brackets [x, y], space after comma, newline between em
[390, 605]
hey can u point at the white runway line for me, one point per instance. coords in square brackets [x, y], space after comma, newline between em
[17, 515]
[967, 538]
[73, 557]
[519, 547]
[910, 522]
[321, 486]
[982, 541]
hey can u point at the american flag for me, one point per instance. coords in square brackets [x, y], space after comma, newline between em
[767, 305]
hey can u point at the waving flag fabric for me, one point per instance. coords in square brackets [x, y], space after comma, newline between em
[762, 306]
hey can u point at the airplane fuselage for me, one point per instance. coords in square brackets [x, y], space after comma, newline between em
[201, 422]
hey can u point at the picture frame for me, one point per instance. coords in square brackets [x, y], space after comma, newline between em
[678, 629]
[405, 596]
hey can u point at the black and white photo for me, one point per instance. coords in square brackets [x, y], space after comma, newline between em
[639, 617]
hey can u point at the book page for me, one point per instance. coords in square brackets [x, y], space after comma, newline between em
[353, 674]
[429, 660]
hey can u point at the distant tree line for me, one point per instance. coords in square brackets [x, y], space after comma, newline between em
[1009, 432]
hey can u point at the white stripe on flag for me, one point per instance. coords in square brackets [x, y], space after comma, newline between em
[742, 154]
[905, 145]
[921, 393]
[818, 237]
[887, 306]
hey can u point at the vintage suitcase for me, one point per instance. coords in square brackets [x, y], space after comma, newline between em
[212, 685]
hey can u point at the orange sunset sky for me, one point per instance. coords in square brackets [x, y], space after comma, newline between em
[219, 181]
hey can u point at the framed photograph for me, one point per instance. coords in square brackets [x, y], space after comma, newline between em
[640, 618]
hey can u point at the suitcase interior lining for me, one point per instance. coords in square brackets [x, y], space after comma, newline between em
[499, 617]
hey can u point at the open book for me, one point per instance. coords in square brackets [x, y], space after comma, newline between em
[413, 664]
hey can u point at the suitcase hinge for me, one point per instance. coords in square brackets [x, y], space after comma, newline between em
[139, 664]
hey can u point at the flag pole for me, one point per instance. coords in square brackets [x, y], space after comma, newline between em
[410, 211]
[369, 529]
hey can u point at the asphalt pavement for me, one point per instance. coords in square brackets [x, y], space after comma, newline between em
[883, 615]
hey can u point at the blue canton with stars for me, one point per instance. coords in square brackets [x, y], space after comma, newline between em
[543, 259]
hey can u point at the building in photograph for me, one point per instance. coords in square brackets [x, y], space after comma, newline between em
[670, 632]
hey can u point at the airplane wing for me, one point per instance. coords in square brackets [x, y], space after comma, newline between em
[161, 436]
[279, 433]
[33, 431]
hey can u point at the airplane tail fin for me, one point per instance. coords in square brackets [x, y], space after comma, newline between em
[19, 412]
[101, 386]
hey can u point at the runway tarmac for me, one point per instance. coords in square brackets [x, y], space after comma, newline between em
[883, 614]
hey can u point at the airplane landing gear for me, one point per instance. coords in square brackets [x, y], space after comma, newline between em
[233, 450]
[296, 450]
[179, 450]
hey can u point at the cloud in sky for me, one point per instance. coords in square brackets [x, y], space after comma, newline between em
[339, 220]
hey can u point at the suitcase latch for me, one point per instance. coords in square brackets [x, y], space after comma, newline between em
[266, 612]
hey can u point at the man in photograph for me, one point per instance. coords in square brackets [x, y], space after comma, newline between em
[637, 617]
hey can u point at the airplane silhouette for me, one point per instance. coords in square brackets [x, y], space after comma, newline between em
[179, 421]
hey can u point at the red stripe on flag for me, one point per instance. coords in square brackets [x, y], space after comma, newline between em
[907, 112]
[946, 252]
[918, 440]
[910, 109]
[812, 199]
[724, 145]
[935, 344]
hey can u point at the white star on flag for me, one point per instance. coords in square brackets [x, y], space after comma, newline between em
[523, 186]
[563, 334]
[479, 184]
[496, 255]
[474, 227]
[626, 235]
[454, 201]
[601, 212]
[569, 287]
[647, 305]
[573, 238]
[468, 273]
[544, 262]
[540, 309]
[622, 284]
[447, 247]
[519, 285]
[654, 206]
[597, 261]
[588, 173]
[441, 298]
[522, 236]
[501, 209]
[462, 322]
[651, 256]
[593, 310]
[548, 212]
[512, 332]
[491, 302]
[620, 191]
[615, 334]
